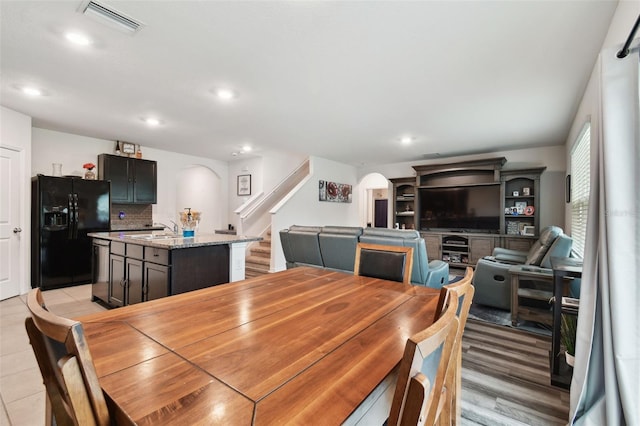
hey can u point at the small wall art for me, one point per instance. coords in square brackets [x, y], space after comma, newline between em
[244, 185]
[334, 192]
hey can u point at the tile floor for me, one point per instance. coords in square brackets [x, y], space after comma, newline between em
[21, 390]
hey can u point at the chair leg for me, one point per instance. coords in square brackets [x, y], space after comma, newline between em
[48, 411]
[456, 410]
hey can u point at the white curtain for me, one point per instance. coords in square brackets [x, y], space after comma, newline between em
[606, 380]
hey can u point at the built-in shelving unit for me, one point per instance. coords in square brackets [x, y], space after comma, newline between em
[404, 196]
[521, 201]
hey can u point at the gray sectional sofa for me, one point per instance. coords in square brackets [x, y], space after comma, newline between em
[334, 247]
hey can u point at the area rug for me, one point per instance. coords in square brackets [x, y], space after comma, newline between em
[502, 317]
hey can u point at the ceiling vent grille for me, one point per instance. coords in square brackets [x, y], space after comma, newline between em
[110, 16]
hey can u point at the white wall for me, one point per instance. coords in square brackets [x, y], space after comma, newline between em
[72, 151]
[267, 171]
[551, 182]
[15, 134]
[304, 207]
[621, 24]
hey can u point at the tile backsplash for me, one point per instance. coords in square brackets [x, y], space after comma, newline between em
[135, 215]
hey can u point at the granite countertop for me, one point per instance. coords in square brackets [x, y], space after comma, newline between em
[171, 241]
[137, 228]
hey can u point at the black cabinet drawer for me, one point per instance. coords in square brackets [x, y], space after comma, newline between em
[156, 255]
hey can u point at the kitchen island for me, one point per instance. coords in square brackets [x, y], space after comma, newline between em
[133, 267]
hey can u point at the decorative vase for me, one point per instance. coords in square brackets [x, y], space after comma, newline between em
[90, 174]
[570, 358]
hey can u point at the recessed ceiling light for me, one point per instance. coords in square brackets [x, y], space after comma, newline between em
[225, 94]
[246, 148]
[32, 91]
[406, 140]
[77, 38]
[152, 121]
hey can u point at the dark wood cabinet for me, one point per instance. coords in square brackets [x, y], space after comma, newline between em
[133, 181]
[132, 279]
[139, 273]
[117, 291]
[156, 281]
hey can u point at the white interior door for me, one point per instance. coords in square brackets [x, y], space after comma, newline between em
[10, 230]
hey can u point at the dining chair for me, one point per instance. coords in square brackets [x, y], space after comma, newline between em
[463, 290]
[420, 394]
[74, 395]
[392, 263]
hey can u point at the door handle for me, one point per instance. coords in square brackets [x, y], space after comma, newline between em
[17, 230]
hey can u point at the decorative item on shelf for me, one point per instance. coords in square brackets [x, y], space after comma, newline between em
[529, 231]
[57, 169]
[513, 227]
[529, 210]
[128, 148]
[526, 191]
[118, 152]
[516, 193]
[89, 174]
[139, 152]
[407, 208]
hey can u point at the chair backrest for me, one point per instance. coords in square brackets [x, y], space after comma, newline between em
[423, 369]
[66, 365]
[463, 290]
[538, 250]
[338, 246]
[387, 262]
[404, 238]
[301, 246]
[561, 247]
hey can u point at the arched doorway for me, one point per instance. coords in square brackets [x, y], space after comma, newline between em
[374, 210]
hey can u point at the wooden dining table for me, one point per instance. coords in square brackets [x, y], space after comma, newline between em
[301, 346]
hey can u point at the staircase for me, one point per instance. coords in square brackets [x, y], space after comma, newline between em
[258, 261]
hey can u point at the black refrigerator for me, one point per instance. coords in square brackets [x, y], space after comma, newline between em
[63, 211]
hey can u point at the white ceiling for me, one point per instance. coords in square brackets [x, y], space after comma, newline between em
[343, 80]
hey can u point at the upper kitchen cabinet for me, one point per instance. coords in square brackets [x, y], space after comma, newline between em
[133, 181]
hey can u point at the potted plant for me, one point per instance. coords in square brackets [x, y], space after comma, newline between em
[568, 328]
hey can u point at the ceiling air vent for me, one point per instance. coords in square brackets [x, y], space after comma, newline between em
[110, 17]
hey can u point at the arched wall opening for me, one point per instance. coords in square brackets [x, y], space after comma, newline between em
[198, 187]
[375, 189]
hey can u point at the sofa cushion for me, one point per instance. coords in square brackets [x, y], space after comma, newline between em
[338, 246]
[304, 245]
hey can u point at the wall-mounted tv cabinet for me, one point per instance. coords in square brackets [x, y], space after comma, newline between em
[465, 209]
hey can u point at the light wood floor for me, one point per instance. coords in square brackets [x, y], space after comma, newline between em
[505, 378]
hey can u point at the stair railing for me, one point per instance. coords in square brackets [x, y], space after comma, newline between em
[253, 214]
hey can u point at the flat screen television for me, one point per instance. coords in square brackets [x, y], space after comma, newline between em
[462, 208]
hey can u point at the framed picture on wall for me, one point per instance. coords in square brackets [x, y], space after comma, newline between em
[244, 185]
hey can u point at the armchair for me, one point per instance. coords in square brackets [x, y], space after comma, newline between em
[492, 279]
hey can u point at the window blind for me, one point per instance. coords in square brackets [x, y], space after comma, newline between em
[580, 184]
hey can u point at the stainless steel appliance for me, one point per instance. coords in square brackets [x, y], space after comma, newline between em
[63, 211]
